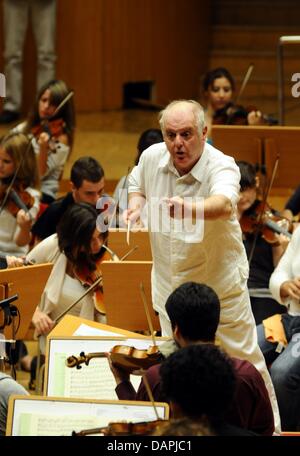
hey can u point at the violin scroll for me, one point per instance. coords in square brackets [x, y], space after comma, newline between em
[76, 361]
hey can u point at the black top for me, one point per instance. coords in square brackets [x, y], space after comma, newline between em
[261, 266]
[293, 203]
[46, 224]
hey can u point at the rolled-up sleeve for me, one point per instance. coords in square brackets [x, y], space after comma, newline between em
[225, 179]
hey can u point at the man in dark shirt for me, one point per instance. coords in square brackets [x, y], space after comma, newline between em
[87, 185]
[194, 312]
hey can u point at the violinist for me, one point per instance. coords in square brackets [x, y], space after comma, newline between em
[194, 312]
[17, 160]
[200, 383]
[77, 252]
[53, 133]
[218, 90]
[266, 255]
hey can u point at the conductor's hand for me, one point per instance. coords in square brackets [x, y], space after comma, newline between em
[120, 374]
[42, 322]
[131, 216]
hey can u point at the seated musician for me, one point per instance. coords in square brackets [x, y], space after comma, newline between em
[76, 251]
[218, 89]
[53, 134]
[194, 312]
[17, 164]
[87, 185]
[281, 351]
[265, 255]
[199, 382]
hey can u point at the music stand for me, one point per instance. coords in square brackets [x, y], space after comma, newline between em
[122, 298]
[117, 242]
[260, 145]
[28, 282]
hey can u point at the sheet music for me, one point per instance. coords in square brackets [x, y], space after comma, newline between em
[86, 330]
[93, 381]
[55, 425]
[45, 416]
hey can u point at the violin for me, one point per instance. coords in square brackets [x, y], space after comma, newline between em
[122, 356]
[232, 114]
[16, 200]
[54, 128]
[269, 223]
[124, 428]
[88, 277]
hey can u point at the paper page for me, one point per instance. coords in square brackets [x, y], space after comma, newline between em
[50, 425]
[93, 381]
[52, 417]
[86, 330]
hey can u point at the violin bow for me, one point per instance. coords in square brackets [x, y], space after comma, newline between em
[144, 299]
[91, 288]
[61, 104]
[114, 256]
[88, 290]
[264, 201]
[149, 392]
[245, 81]
[129, 253]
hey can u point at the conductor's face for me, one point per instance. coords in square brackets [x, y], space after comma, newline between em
[183, 140]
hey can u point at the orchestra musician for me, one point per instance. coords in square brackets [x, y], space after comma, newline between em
[87, 186]
[53, 132]
[218, 89]
[199, 382]
[77, 247]
[266, 255]
[18, 162]
[194, 312]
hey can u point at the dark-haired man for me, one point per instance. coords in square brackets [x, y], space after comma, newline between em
[87, 185]
[199, 382]
[194, 313]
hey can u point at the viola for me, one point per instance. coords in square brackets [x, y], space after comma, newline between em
[17, 199]
[122, 356]
[269, 223]
[88, 278]
[54, 128]
[123, 428]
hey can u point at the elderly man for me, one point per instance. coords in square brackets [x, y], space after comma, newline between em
[195, 178]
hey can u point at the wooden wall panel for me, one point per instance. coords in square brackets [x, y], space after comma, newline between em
[102, 44]
[165, 41]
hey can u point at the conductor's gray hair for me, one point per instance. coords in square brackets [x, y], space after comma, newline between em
[196, 108]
